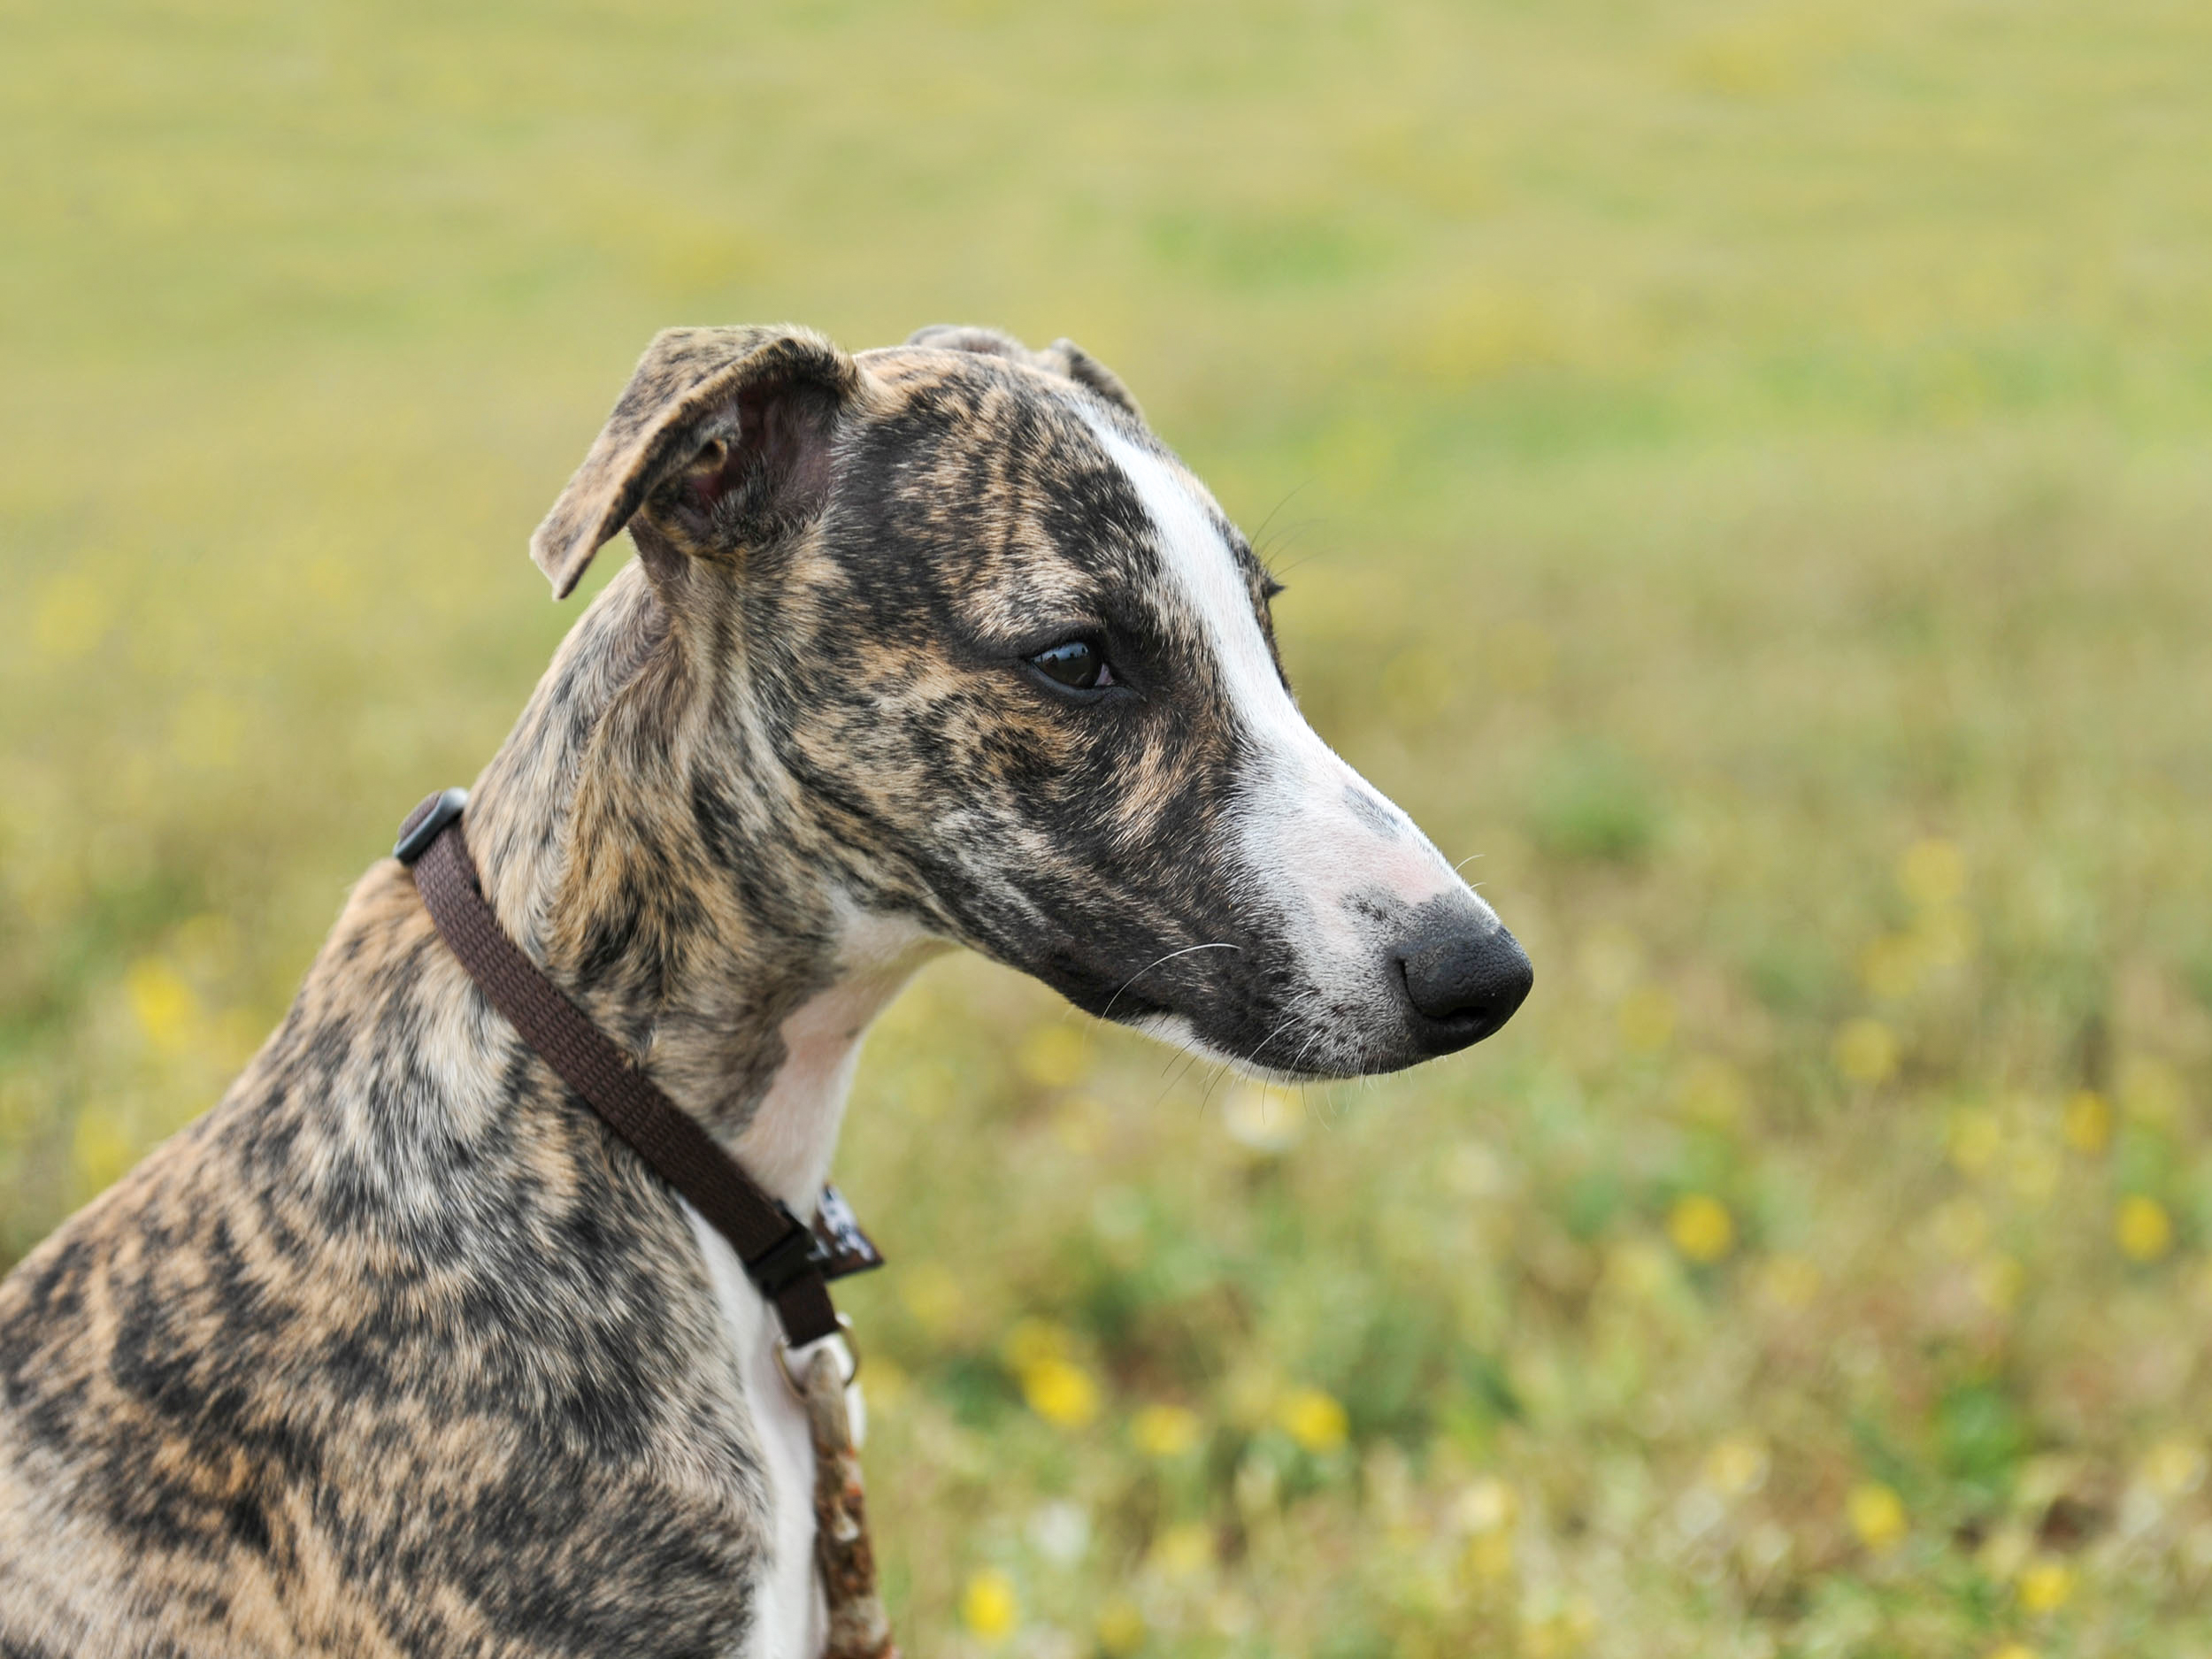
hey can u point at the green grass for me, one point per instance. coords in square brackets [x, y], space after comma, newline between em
[1743, 471]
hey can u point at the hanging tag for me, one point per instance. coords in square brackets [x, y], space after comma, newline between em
[844, 1249]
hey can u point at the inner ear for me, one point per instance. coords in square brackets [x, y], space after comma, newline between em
[709, 475]
[760, 469]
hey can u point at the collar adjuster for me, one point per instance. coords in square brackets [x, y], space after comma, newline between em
[427, 823]
[789, 1258]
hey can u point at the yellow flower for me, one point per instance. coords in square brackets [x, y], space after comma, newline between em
[1060, 1392]
[2046, 1585]
[1184, 1550]
[1054, 1056]
[1866, 1051]
[1737, 1465]
[1975, 1137]
[1120, 1628]
[1931, 873]
[1701, 1228]
[1165, 1431]
[1877, 1515]
[2143, 1228]
[2014, 1650]
[2174, 1468]
[1312, 1418]
[163, 1003]
[1490, 1554]
[988, 1606]
[1647, 1018]
[2087, 1121]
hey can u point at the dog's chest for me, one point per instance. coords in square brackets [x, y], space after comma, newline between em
[789, 1619]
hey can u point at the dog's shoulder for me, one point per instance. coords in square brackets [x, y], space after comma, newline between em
[387, 1341]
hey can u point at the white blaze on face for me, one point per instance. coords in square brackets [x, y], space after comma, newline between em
[1315, 832]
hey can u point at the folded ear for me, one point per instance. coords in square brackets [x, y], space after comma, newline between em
[1063, 358]
[721, 440]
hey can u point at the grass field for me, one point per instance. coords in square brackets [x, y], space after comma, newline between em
[1743, 470]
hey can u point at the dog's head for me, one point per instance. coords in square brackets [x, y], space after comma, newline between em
[997, 660]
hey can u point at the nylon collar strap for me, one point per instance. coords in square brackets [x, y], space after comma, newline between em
[790, 1262]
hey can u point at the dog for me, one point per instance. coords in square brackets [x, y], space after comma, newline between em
[399, 1349]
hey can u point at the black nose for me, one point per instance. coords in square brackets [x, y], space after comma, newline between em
[1464, 983]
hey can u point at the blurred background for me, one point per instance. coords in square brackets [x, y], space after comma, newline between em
[1742, 469]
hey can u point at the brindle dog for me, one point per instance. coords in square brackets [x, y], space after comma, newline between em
[398, 1351]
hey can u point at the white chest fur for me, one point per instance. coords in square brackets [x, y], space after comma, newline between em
[789, 1619]
[788, 1147]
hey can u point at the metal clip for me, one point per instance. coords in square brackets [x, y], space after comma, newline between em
[844, 1339]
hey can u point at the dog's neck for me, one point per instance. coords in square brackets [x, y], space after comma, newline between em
[663, 886]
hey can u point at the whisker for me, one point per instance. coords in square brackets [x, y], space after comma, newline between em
[1189, 1058]
[1212, 1083]
[1295, 491]
[1148, 966]
[1252, 1058]
[1300, 563]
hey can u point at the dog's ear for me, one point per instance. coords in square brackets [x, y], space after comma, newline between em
[1063, 358]
[990, 342]
[721, 440]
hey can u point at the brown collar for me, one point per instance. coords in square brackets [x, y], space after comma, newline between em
[789, 1262]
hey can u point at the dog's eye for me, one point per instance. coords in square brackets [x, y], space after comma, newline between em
[1075, 663]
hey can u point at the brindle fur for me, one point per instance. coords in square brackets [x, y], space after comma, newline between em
[397, 1350]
